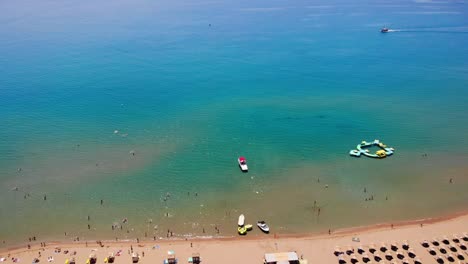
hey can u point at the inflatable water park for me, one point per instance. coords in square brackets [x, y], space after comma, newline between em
[363, 149]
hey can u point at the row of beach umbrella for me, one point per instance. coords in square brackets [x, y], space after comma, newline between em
[448, 249]
[394, 253]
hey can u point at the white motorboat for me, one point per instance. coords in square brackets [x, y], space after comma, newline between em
[263, 226]
[241, 220]
[243, 164]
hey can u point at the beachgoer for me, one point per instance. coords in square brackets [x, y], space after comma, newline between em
[191, 244]
[365, 190]
[102, 201]
[451, 180]
[45, 197]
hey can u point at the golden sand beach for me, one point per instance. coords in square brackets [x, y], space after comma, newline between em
[401, 240]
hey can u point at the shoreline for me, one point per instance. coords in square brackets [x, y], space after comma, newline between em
[339, 233]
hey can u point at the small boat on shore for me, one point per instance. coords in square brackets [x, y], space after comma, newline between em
[263, 226]
[241, 220]
[243, 164]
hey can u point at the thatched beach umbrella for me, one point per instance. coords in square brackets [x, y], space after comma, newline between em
[394, 246]
[432, 251]
[405, 245]
[435, 242]
[341, 260]
[92, 258]
[405, 261]
[443, 250]
[337, 251]
[383, 247]
[417, 261]
[350, 251]
[445, 240]
[462, 247]
[460, 257]
[439, 260]
[377, 258]
[456, 238]
[453, 248]
[360, 250]
[365, 258]
[388, 256]
[354, 260]
[465, 237]
[450, 258]
[372, 248]
[425, 244]
[411, 254]
[400, 255]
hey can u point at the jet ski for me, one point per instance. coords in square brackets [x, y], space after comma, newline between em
[263, 226]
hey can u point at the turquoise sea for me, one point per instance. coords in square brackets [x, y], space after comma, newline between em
[146, 105]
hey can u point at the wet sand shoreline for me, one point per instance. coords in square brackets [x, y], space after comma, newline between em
[462, 215]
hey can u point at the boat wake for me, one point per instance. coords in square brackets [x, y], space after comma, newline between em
[450, 30]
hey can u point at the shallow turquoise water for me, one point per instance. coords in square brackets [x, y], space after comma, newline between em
[191, 86]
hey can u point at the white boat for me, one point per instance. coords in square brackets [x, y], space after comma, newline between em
[243, 163]
[241, 220]
[263, 226]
